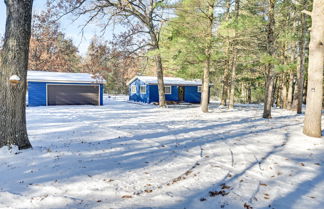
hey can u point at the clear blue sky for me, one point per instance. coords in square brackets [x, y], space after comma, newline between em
[71, 29]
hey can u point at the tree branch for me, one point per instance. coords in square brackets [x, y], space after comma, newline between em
[307, 12]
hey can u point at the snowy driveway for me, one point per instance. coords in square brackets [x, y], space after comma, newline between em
[124, 155]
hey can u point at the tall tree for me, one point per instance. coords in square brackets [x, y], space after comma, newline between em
[147, 13]
[210, 16]
[234, 59]
[301, 60]
[225, 81]
[13, 74]
[191, 52]
[268, 99]
[115, 61]
[49, 49]
[313, 114]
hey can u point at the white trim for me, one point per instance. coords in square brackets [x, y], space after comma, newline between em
[152, 80]
[54, 84]
[63, 81]
[64, 77]
[167, 87]
[133, 86]
[141, 89]
[46, 95]
[99, 94]
[132, 80]
[199, 89]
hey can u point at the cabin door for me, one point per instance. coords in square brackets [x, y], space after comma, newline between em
[181, 93]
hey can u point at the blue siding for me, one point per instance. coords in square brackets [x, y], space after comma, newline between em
[192, 95]
[37, 92]
[101, 93]
[174, 96]
[154, 93]
[138, 97]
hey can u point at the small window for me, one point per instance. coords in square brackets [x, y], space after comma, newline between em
[199, 89]
[167, 89]
[133, 89]
[143, 89]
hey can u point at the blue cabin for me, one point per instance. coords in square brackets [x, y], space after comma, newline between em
[57, 88]
[145, 89]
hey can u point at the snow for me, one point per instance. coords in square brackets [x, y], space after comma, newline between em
[14, 78]
[167, 81]
[131, 156]
[42, 76]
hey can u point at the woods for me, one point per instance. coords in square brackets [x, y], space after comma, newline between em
[193, 104]
[244, 51]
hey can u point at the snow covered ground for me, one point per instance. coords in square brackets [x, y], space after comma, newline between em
[135, 156]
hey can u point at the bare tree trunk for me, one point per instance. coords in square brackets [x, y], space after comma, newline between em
[313, 114]
[270, 74]
[205, 87]
[277, 93]
[295, 95]
[305, 91]
[301, 65]
[225, 87]
[290, 90]
[14, 61]
[159, 73]
[243, 92]
[227, 63]
[159, 67]
[233, 77]
[283, 93]
[249, 94]
[235, 54]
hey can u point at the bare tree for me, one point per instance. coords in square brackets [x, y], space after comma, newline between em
[149, 13]
[13, 74]
[313, 115]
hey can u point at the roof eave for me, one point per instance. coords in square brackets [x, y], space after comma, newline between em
[175, 84]
[64, 81]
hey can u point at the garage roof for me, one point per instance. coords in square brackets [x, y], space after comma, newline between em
[167, 81]
[43, 76]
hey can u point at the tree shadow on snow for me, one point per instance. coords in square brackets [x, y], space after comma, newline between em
[80, 158]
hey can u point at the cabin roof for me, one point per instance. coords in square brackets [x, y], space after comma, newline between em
[167, 81]
[44, 76]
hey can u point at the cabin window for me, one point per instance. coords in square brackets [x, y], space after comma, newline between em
[133, 89]
[167, 89]
[199, 89]
[143, 89]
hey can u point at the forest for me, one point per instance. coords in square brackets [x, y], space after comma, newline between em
[254, 141]
[244, 48]
[251, 51]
